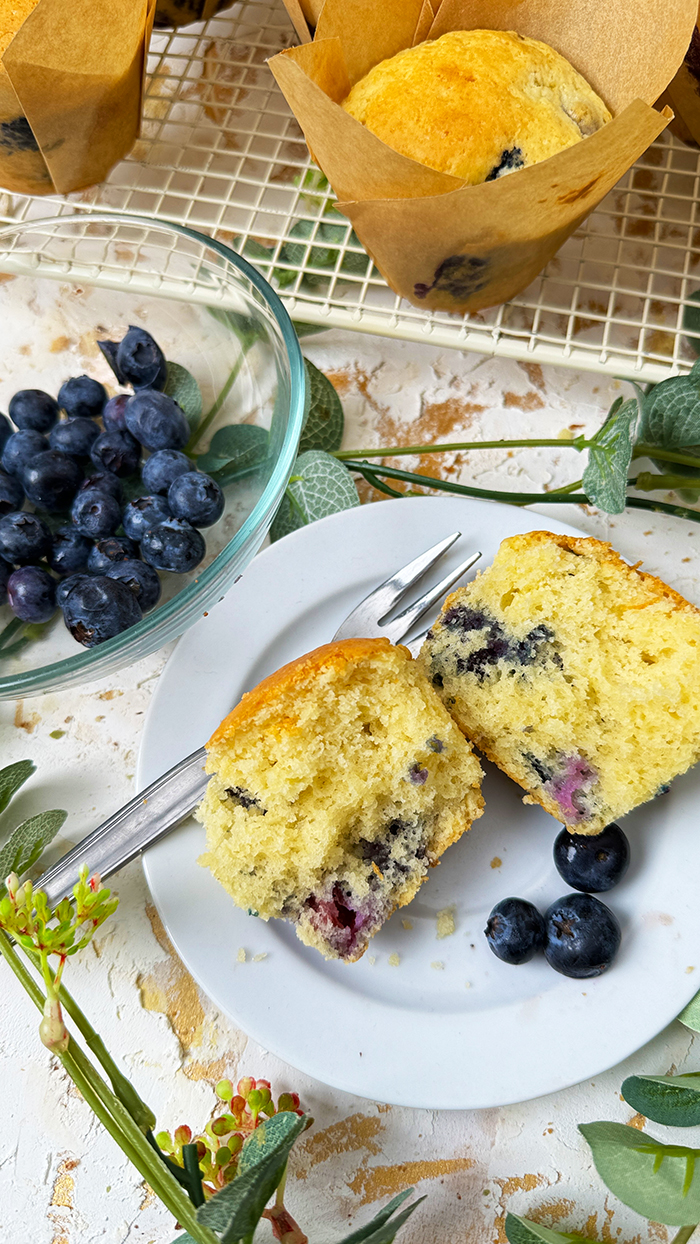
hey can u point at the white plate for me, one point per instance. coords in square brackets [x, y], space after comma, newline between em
[474, 1031]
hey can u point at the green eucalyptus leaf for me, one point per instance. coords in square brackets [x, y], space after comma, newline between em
[690, 1015]
[320, 485]
[182, 387]
[309, 330]
[671, 417]
[26, 843]
[691, 320]
[671, 1100]
[605, 476]
[380, 1230]
[12, 777]
[661, 1182]
[234, 449]
[524, 1231]
[325, 421]
[236, 1209]
[323, 253]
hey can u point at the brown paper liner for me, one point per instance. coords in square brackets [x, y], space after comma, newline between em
[71, 88]
[438, 242]
[684, 92]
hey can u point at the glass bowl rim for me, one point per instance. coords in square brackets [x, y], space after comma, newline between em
[39, 679]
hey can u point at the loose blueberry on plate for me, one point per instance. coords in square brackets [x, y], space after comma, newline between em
[197, 498]
[141, 579]
[74, 436]
[5, 430]
[117, 452]
[24, 539]
[114, 411]
[5, 572]
[515, 930]
[95, 514]
[164, 466]
[95, 610]
[51, 481]
[592, 863]
[582, 936]
[20, 449]
[143, 513]
[11, 493]
[104, 553]
[104, 481]
[82, 397]
[174, 546]
[32, 409]
[31, 593]
[141, 360]
[156, 421]
[69, 551]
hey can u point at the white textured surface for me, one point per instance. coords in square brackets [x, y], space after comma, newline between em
[56, 1164]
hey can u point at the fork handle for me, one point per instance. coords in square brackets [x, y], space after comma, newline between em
[140, 823]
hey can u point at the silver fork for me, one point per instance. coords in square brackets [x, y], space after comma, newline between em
[155, 811]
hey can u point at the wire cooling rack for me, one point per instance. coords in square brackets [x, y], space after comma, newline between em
[221, 152]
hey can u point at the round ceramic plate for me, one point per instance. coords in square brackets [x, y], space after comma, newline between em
[422, 1019]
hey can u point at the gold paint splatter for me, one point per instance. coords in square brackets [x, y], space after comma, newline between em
[638, 1120]
[523, 401]
[148, 1197]
[109, 695]
[64, 1184]
[371, 1183]
[28, 721]
[214, 1071]
[171, 991]
[438, 965]
[550, 1212]
[59, 344]
[445, 923]
[356, 1132]
[690, 969]
[5, 276]
[394, 960]
[517, 1183]
[496, 862]
[534, 373]
[407, 924]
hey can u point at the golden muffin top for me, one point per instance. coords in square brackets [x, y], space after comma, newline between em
[477, 103]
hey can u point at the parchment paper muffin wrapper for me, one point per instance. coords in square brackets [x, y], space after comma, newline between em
[438, 242]
[684, 91]
[71, 89]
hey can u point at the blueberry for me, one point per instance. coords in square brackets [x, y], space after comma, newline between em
[582, 936]
[143, 513]
[117, 452]
[11, 493]
[5, 430]
[592, 864]
[173, 545]
[95, 514]
[82, 397]
[5, 572]
[20, 449]
[113, 413]
[33, 409]
[141, 360]
[164, 466]
[104, 481]
[24, 539]
[157, 421]
[515, 930]
[197, 498]
[74, 436]
[141, 579]
[31, 593]
[98, 609]
[104, 553]
[65, 587]
[69, 551]
[51, 480]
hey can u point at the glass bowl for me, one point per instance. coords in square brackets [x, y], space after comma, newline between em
[70, 281]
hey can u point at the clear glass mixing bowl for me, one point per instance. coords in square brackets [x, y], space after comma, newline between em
[69, 281]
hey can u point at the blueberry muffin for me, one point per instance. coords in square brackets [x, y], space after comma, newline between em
[477, 103]
[577, 674]
[335, 785]
[22, 166]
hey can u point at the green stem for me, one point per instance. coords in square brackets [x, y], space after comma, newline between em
[664, 507]
[642, 450]
[213, 412]
[8, 632]
[684, 1234]
[465, 490]
[395, 451]
[117, 1121]
[190, 1162]
[649, 481]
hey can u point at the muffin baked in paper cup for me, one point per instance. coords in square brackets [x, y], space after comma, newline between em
[71, 87]
[438, 242]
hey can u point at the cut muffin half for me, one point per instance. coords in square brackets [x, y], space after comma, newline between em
[577, 674]
[335, 785]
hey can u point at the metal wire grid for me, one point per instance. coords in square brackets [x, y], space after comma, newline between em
[221, 152]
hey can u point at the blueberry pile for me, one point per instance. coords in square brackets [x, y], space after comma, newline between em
[68, 538]
[579, 935]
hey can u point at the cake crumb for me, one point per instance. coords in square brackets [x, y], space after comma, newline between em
[259, 957]
[467, 984]
[446, 922]
[407, 924]
[394, 960]
[372, 959]
[690, 969]
[496, 861]
[438, 965]
[241, 956]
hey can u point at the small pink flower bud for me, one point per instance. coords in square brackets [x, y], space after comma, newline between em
[246, 1086]
[183, 1135]
[224, 1090]
[52, 1030]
